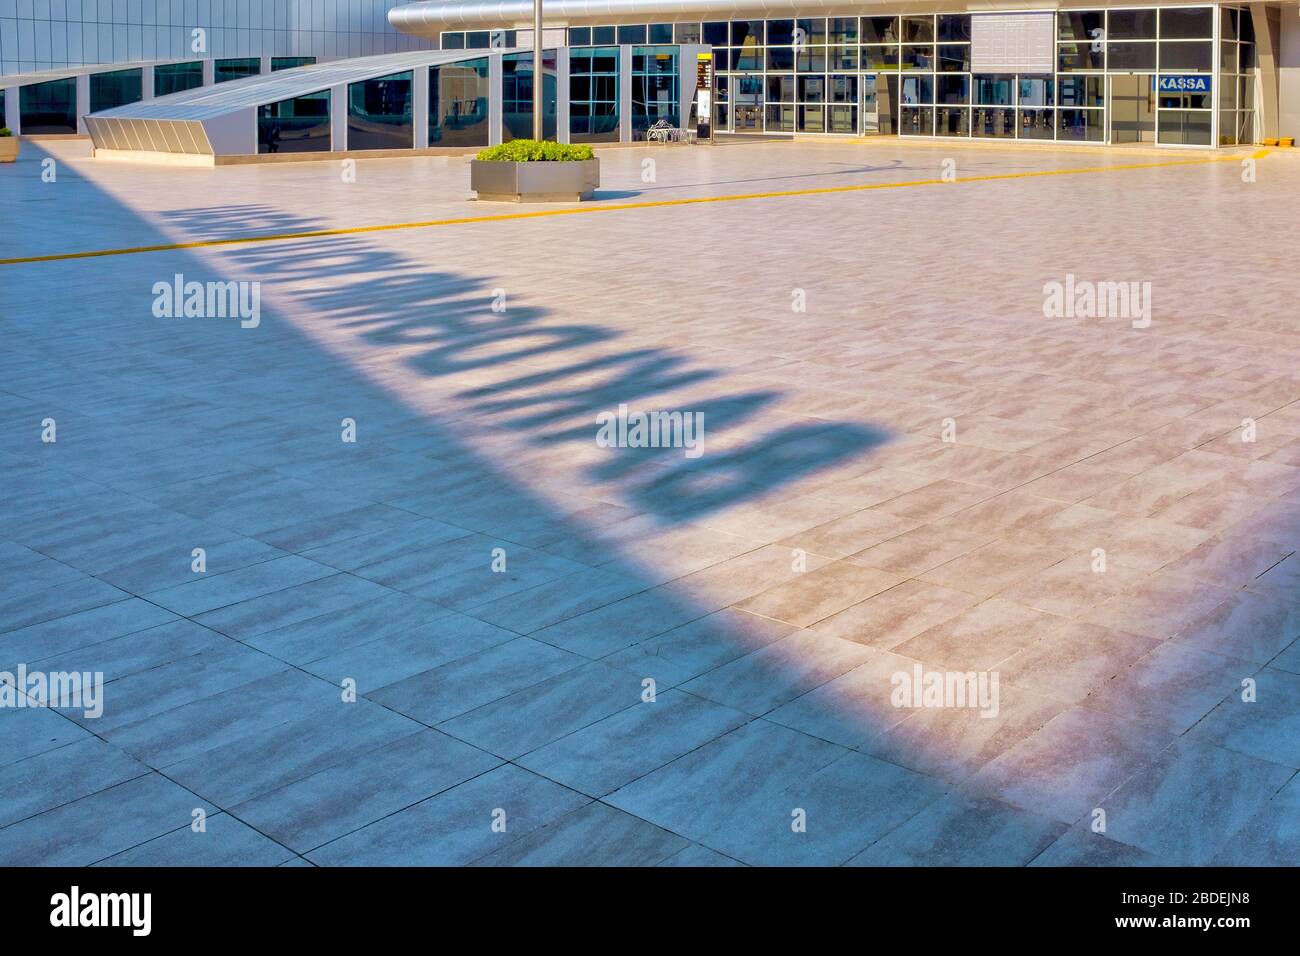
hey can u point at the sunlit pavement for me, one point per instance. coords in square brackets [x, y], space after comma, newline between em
[475, 635]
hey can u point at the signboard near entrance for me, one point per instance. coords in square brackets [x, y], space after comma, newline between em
[703, 96]
[1191, 83]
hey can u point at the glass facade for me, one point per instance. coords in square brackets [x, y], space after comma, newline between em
[1122, 75]
[517, 95]
[48, 107]
[177, 77]
[654, 88]
[458, 104]
[593, 95]
[236, 68]
[380, 114]
[118, 88]
[298, 125]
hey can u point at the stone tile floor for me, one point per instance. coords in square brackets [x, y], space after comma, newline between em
[682, 661]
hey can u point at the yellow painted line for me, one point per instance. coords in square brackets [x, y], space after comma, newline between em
[619, 207]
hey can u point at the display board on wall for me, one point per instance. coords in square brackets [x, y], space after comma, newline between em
[1013, 43]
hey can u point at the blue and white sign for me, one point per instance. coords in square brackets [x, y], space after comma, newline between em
[1191, 83]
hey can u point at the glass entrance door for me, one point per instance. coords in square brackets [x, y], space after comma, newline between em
[870, 113]
[1132, 108]
[748, 103]
[879, 101]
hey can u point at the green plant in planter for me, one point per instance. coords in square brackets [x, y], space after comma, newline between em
[532, 151]
[6, 131]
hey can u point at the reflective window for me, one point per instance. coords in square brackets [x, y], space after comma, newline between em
[48, 107]
[686, 33]
[844, 30]
[379, 113]
[780, 32]
[632, 34]
[952, 89]
[593, 94]
[453, 41]
[517, 94]
[880, 58]
[1081, 125]
[1131, 25]
[994, 123]
[810, 31]
[746, 32]
[716, 33]
[1037, 124]
[1184, 127]
[950, 121]
[177, 77]
[918, 58]
[298, 125]
[1131, 56]
[290, 62]
[954, 59]
[1187, 55]
[954, 27]
[995, 90]
[661, 33]
[1036, 90]
[918, 29]
[602, 35]
[917, 89]
[1080, 25]
[1080, 56]
[1081, 91]
[579, 36]
[236, 68]
[1191, 23]
[914, 121]
[880, 30]
[117, 88]
[654, 87]
[458, 104]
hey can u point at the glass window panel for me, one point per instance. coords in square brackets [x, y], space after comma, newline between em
[517, 95]
[951, 121]
[687, 33]
[995, 90]
[177, 77]
[1186, 101]
[601, 36]
[1246, 126]
[814, 30]
[458, 103]
[379, 113]
[952, 89]
[1131, 56]
[780, 58]
[117, 88]
[780, 88]
[746, 32]
[478, 40]
[1188, 55]
[780, 119]
[993, 122]
[1246, 29]
[779, 32]
[1228, 23]
[49, 107]
[916, 121]
[1131, 25]
[812, 119]
[579, 36]
[844, 89]
[1036, 90]
[654, 87]
[1246, 57]
[1080, 25]
[843, 30]
[236, 68]
[1081, 91]
[1178, 127]
[1228, 128]
[880, 58]
[1245, 94]
[298, 125]
[1037, 124]
[842, 58]
[812, 89]
[918, 57]
[715, 33]
[1228, 57]
[843, 119]
[1080, 56]
[809, 60]
[880, 30]
[1081, 125]
[918, 29]
[661, 33]
[917, 89]
[748, 58]
[290, 62]
[954, 26]
[1189, 23]
[453, 41]
[634, 33]
[954, 59]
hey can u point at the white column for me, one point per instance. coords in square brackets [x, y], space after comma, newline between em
[339, 117]
[624, 94]
[265, 66]
[495, 95]
[146, 82]
[209, 71]
[1267, 78]
[420, 105]
[10, 119]
[83, 102]
[562, 94]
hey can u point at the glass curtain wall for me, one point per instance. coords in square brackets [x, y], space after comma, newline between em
[49, 107]
[289, 62]
[236, 68]
[458, 104]
[655, 88]
[593, 94]
[517, 96]
[1237, 69]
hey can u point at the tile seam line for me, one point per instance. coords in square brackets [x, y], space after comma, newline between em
[621, 207]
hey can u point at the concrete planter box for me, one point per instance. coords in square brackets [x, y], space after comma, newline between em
[534, 182]
[9, 146]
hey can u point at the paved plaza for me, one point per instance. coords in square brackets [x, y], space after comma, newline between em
[365, 588]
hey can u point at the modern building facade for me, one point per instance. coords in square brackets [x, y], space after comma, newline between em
[1179, 75]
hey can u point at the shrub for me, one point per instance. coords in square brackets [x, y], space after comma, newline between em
[532, 151]
[6, 131]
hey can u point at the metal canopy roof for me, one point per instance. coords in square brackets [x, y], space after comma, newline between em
[207, 102]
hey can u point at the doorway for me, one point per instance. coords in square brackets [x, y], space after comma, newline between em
[879, 104]
[1132, 108]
